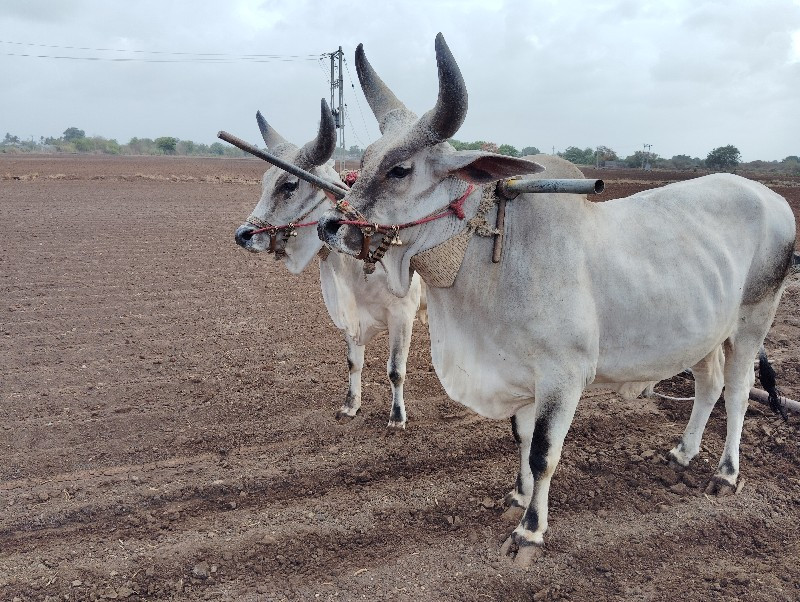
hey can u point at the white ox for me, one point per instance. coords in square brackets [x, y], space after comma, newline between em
[360, 308]
[618, 294]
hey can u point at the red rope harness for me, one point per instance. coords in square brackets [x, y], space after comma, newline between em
[368, 229]
[289, 226]
[455, 207]
[288, 230]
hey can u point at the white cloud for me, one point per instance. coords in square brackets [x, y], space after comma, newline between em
[685, 76]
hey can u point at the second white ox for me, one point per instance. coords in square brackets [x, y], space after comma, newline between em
[621, 293]
[284, 222]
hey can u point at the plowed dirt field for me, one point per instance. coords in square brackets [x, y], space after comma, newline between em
[167, 428]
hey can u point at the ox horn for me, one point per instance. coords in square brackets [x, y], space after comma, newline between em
[271, 138]
[337, 189]
[441, 122]
[320, 149]
[381, 99]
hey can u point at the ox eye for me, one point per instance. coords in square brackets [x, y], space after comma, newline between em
[398, 171]
[289, 187]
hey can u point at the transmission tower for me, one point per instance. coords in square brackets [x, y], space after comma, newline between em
[337, 82]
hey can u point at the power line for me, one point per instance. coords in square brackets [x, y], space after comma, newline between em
[358, 102]
[196, 60]
[347, 113]
[306, 57]
[324, 73]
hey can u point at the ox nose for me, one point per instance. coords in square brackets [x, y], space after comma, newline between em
[243, 234]
[327, 228]
[342, 237]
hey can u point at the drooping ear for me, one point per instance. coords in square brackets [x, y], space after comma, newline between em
[479, 167]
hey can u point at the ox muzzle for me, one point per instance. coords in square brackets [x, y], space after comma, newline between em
[345, 238]
[252, 238]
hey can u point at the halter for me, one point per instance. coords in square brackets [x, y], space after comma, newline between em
[277, 244]
[355, 218]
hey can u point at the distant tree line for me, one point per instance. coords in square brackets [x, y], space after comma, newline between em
[75, 140]
[501, 149]
[723, 158]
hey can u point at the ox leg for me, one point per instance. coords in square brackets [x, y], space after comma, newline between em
[517, 499]
[740, 351]
[554, 411]
[355, 362]
[399, 343]
[739, 378]
[708, 382]
[422, 311]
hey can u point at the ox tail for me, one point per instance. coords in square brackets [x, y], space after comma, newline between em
[766, 374]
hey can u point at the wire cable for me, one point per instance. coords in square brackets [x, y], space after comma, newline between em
[305, 57]
[195, 60]
[347, 114]
[358, 102]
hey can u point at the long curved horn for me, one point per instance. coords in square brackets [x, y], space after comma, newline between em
[441, 122]
[271, 138]
[381, 99]
[319, 150]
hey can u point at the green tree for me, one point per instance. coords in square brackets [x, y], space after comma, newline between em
[186, 147]
[578, 156]
[459, 146]
[83, 145]
[166, 144]
[507, 149]
[71, 134]
[683, 162]
[724, 157]
[529, 150]
[217, 149]
[640, 159]
[112, 147]
[603, 154]
[10, 139]
[791, 164]
[141, 146]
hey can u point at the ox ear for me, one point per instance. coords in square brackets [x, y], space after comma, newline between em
[480, 167]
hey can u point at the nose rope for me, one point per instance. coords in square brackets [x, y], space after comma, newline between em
[276, 245]
[356, 218]
[370, 258]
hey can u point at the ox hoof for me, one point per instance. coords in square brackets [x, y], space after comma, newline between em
[677, 461]
[513, 498]
[513, 514]
[675, 465]
[720, 487]
[346, 414]
[396, 426]
[523, 553]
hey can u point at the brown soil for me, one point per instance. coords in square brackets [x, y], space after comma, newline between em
[168, 429]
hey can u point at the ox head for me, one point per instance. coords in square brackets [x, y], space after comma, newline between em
[412, 172]
[287, 200]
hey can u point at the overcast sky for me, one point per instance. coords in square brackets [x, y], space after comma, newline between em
[683, 76]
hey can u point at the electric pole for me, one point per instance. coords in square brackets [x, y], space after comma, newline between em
[646, 156]
[337, 82]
